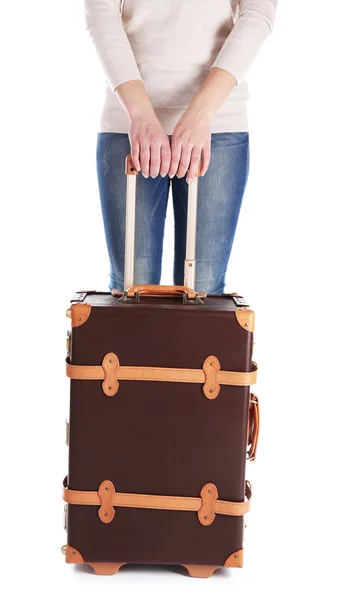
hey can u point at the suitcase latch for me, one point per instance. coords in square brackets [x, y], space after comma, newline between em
[67, 432]
[239, 301]
[68, 342]
[196, 300]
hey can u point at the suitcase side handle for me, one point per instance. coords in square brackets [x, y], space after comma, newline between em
[190, 259]
[253, 427]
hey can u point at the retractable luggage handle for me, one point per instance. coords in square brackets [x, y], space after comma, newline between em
[131, 291]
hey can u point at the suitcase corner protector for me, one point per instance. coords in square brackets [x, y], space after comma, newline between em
[246, 318]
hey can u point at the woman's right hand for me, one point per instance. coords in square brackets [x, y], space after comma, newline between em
[150, 146]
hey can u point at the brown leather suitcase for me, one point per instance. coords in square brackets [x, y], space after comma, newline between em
[161, 421]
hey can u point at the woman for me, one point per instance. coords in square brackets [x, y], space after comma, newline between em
[175, 98]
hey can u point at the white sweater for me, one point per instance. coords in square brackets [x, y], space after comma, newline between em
[171, 45]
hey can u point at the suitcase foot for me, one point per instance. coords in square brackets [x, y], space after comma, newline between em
[105, 568]
[202, 571]
[72, 556]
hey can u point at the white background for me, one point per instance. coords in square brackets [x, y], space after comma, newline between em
[285, 261]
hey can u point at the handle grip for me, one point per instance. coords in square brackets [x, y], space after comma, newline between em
[162, 290]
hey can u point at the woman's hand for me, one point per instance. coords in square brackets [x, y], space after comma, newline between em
[191, 140]
[150, 146]
[192, 135]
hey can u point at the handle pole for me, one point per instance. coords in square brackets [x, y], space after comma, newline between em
[190, 255]
[130, 223]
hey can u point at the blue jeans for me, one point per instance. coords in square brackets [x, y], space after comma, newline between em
[220, 195]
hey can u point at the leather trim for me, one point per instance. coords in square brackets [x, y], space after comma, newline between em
[235, 559]
[211, 367]
[129, 167]
[253, 427]
[222, 507]
[80, 313]
[84, 372]
[202, 571]
[73, 556]
[245, 318]
[105, 568]
[209, 495]
[106, 493]
[134, 373]
[110, 364]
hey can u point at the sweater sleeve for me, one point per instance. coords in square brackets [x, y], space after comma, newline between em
[253, 24]
[104, 24]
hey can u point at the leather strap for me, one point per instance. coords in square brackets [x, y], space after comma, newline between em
[162, 374]
[221, 507]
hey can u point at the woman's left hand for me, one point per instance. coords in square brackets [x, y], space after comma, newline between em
[191, 140]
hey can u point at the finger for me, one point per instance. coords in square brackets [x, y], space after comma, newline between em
[145, 159]
[184, 161]
[155, 159]
[194, 162]
[165, 158]
[205, 159]
[135, 155]
[176, 149]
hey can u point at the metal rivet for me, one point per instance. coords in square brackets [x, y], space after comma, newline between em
[110, 360]
[106, 514]
[80, 319]
[211, 364]
[64, 550]
[246, 324]
[74, 552]
[236, 556]
[106, 489]
[109, 387]
[211, 391]
[209, 491]
[132, 169]
[205, 517]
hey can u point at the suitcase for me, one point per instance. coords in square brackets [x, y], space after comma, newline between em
[161, 420]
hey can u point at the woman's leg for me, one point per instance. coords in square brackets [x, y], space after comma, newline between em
[151, 205]
[220, 194]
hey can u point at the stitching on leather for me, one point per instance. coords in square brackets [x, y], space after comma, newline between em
[181, 498]
[232, 513]
[80, 367]
[167, 369]
[168, 379]
[79, 502]
[160, 507]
